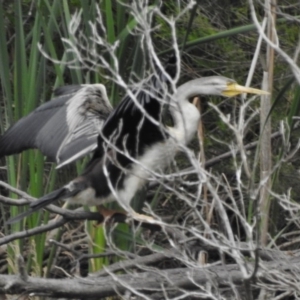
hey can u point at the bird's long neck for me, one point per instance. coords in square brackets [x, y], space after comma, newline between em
[185, 115]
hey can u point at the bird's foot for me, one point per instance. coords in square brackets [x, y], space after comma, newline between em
[142, 218]
[108, 215]
[115, 216]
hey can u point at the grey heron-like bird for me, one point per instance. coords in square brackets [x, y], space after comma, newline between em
[133, 143]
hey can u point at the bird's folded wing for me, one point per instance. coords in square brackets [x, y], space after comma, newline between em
[135, 124]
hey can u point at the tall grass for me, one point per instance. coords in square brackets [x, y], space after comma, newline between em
[25, 83]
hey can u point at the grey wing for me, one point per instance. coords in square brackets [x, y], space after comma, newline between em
[79, 142]
[65, 128]
[23, 134]
[85, 117]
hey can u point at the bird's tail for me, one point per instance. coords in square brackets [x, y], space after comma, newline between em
[40, 203]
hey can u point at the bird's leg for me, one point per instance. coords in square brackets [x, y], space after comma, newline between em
[107, 213]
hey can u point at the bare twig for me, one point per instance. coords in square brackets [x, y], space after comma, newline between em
[22, 269]
[16, 191]
[13, 202]
[134, 263]
[81, 256]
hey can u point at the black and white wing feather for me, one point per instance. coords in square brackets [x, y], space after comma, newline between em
[85, 115]
[64, 128]
[136, 124]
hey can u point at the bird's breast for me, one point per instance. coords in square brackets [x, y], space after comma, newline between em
[153, 161]
[88, 197]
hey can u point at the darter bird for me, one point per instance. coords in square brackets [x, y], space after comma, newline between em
[133, 143]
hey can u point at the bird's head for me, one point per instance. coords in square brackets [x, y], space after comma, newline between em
[215, 85]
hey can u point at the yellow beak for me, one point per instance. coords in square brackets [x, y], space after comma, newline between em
[233, 89]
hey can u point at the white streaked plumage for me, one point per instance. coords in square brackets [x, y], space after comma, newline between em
[84, 119]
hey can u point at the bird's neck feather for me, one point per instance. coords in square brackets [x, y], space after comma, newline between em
[186, 117]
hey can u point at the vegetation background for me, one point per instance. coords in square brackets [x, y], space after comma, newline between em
[215, 38]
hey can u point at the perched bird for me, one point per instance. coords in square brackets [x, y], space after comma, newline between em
[133, 143]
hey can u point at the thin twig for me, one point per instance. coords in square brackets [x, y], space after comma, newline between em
[134, 263]
[80, 256]
[13, 202]
[16, 191]
[22, 268]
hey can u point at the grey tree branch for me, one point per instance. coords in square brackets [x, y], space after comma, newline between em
[144, 282]
[16, 191]
[13, 202]
[110, 286]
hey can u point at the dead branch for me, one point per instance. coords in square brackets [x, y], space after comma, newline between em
[112, 285]
[152, 280]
